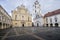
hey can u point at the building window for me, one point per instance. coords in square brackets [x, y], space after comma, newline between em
[28, 23]
[23, 18]
[15, 17]
[28, 18]
[51, 20]
[15, 23]
[35, 6]
[35, 11]
[0, 18]
[3, 18]
[37, 16]
[55, 19]
[47, 20]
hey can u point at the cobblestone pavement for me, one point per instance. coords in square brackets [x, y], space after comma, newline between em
[30, 33]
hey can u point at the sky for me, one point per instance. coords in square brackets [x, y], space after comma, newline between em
[46, 5]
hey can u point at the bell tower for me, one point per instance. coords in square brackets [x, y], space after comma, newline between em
[36, 10]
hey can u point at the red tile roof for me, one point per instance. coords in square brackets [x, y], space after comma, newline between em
[52, 13]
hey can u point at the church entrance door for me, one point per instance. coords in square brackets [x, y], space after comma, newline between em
[22, 25]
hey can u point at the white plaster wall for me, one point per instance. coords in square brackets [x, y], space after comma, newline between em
[40, 21]
[53, 19]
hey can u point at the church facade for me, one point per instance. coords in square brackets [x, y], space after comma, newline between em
[21, 17]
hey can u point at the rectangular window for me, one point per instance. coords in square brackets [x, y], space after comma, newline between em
[23, 18]
[3, 18]
[0, 18]
[15, 17]
[46, 20]
[28, 24]
[28, 18]
[51, 20]
[55, 19]
[35, 11]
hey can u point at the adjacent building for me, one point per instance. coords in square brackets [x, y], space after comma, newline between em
[5, 19]
[21, 17]
[52, 19]
[38, 18]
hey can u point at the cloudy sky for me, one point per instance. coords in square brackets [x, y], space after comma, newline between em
[46, 5]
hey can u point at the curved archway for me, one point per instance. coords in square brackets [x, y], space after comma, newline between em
[47, 25]
[37, 24]
[51, 25]
[22, 25]
[32, 24]
[56, 24]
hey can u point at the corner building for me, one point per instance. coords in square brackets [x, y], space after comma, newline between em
[52, 19]
[21, 17]
[5, 19]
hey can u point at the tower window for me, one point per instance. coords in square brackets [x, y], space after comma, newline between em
[35, 11]
[35, 6]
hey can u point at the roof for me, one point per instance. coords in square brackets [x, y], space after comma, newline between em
[52, 13]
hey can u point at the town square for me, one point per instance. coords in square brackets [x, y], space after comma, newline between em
[29, 20]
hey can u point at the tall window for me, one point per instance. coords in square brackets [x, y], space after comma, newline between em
[28, 18]
[51, 20]
[3, 18]
[47, 20]
[35, 11]
[55, 19]
[15, 17]
[37, 16]
[22, 17]
[0, 18]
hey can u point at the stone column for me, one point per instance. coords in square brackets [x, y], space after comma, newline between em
[2, 26]
[49, 25]
[53, 24]
[59, 24]
[5, 25]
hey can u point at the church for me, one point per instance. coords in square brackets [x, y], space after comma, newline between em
[21, 17]
[38, 19]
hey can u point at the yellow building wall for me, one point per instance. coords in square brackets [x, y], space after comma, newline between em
[19, 24]
[22, 18]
